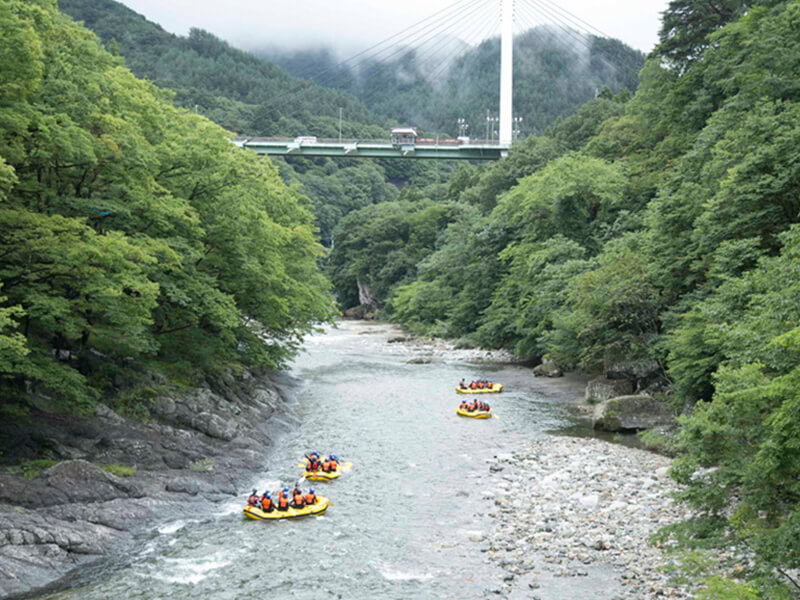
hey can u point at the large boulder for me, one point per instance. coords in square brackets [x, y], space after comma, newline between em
[600, 389]
[618, 365]
[547, 369]
[626, 413]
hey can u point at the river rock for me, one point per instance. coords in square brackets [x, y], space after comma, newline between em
[215, 426]
[420, 360]
[629, 413]
[547, 369]
[576, 521]
[601, 389]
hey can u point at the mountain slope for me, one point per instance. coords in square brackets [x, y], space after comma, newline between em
[239, 91]
[552, 78]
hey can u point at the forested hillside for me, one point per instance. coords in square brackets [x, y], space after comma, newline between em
[135, 239]
[251, 96]
[234, 89]
[653, 238]
[553, 75]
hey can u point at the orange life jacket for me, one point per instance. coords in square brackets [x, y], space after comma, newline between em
[334, 465]
[266, 504]
[480, 385]
[283, 501]
[311, 498]
[463, 405]
[299, 500]
[326, 465]
[472, 385]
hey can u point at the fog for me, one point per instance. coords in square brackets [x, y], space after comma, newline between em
[351, 25]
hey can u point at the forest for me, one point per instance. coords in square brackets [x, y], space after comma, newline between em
[134, 241]
[651, 233]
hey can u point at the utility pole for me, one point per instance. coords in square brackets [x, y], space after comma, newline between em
[463, 126]
[490, 126]
[506, 69]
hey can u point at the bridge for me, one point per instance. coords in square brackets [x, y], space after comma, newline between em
[446, 149]
[412, 146]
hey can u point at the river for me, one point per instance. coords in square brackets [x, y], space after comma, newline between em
[406, 521]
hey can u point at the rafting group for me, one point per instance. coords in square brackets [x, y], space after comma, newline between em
[284, 504]
[478, 386]
[475, 405]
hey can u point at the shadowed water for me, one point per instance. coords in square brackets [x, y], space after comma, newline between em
[402, 517]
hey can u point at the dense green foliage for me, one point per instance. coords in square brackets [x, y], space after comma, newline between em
[233, 88]
[132, 230]
[253, 97]
[655, 238]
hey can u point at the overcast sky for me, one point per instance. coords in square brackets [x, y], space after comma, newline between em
[352, 25]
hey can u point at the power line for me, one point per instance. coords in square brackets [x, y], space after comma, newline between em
[421, 58]
[401, 44]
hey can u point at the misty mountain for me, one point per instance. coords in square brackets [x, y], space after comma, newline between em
[236, 89]
[554, 74]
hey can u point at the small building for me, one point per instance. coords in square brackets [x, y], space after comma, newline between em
[403, 136]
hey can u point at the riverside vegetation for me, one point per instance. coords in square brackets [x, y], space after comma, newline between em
[652, 236]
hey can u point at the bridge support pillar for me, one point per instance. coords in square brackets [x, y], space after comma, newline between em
[506, 70]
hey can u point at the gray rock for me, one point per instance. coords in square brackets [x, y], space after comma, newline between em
[630, 413]
[600, 389]
[547, 369]
[215, 426]
[419, 360]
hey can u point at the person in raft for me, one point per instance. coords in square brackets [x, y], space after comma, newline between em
[298, 499]
[310, 497]
[312, 462]
[266, 502]
[463, 405]
[330, 463]
[282, 502]
[253, 499]
[462, 384]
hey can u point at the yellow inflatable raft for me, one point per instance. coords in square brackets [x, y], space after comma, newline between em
[475, 414]
[496, 388]
[255, 513]
[322, 475]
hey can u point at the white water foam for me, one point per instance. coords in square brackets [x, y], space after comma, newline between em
[171, 528]
[392, 574]
[190, 572]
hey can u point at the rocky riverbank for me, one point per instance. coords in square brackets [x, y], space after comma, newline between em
[107, 476]
[566, 507]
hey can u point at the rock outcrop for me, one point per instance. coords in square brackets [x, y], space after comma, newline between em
[627, 413]
[199, 447]
[547, 369]
[600, 389]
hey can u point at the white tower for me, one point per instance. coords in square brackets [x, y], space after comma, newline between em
[506, 70]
